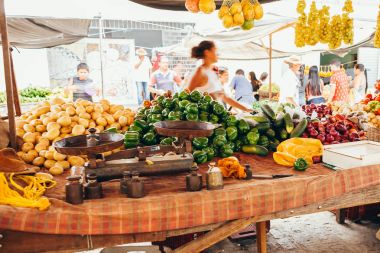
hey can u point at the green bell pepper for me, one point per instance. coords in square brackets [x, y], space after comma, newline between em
[220, 131]
[153, 118]
[213, 119]
[176, 95]
[195, 96]
[218, 109]
[168, 103]
[273, 144]
[174, 116]
[156, 109]
[191, 108]
[226, 151]
[204, 106]
[165, 112]
[135, 129]
[238, 145]
[131, 139]
[200, 156]
[263, 141]
[149, 139]
[140, 115]
[300, 164]
[231, 120]
[243, 126]
[210, 153]
[219, 140]
[167, 141]
[160, 100]
[192, 116]
[175, 104]
[232, 133]
[142, 124]
[111, 130]
[253, 137]
[203, 116]
[200, 142]
[207, 98]
[270, 133]
[184, 95]
[182, 104]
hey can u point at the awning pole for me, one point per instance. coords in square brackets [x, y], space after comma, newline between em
[270, 66]
[8, 76]
[101, 52]
[14, 85]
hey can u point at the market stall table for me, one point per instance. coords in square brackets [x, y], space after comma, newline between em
[168, 210]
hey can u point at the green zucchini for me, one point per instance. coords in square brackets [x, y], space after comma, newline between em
[267, 110]
[283, 134]
[299, 129]
[260, 119]
[289, 126]
[255, 149]
[270, 133]
[262, 127]
[279, 121]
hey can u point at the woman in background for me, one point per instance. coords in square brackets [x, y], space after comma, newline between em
[206, 79]
[256, 84]
[82, 86]
[314, 87]
[360, 83]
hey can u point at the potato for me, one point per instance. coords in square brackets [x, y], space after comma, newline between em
[124, 129]
[117, 115]
[29, 137]
[76, 161]
[66, 129]
[84, 103]
[104, 101]
[64, 121]
[42, 153]
[36, 122]
[44, 141]
[106, 107]
[98, 108]
[96, 115]
[29, 128]
[38, 161]
[41, 128]
[53, 116]
[30, 118]
[89, 109]
[52, 134]
[39, 147]
[53, 125]
[78, 130]
[123, 121]
[49, 155]
[80, 109]
[51, 148]
[28, 158]
[49, 163]
[99, 129]
[110, 119]
[33, 153]
[116, 125]
[21, 123]
[71, 111]
[58, 156]
[64, 164]
[84, 115]
[55, 109]
[83, 122]
[20, 153]
[47, 120]
[23, 117]
[101, 122]
[27, 146]
[57, 101]
[115, 108]
[92, 124]
[20, 132]
[45, 103]
[42, 110]
[63, 114]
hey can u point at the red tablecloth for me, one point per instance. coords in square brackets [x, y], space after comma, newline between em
[168, 206]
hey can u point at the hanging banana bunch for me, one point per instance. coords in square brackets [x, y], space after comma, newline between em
[313, 25]
[376, 40]
[348, 23]
[324, 26]
[336, 32]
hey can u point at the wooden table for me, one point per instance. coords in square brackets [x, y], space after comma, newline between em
[358, 191]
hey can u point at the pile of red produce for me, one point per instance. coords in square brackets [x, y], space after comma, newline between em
[333, 130]
[322, 110]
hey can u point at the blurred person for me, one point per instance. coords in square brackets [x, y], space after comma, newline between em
[339, 83]
[81, 85]
[263, 78]
[224, 78]
[360, 83]
[243, 88]
[290, 83]
[314, 87]
[142, 69]
[206, 79]
[164, 79]
[256, 84]
[302, 88]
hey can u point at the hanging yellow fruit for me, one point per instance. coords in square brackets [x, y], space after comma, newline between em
[347, 29]
[348, 6]
[224, 10]
[336, 32]
[324, 26]
[238, 19]
[259, 12]
[249, 12]
[207, 6]
[235, 8]
[248, 25]
[301, 6]
[313, 25]
[376, 40]
[301, 31]
[192, 5]
[228, 21]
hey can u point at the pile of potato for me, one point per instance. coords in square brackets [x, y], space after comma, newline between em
[51, 121]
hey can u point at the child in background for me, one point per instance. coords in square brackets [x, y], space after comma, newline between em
[82, 86]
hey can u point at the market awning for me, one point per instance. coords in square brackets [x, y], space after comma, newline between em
[43, 32]
[178, 5]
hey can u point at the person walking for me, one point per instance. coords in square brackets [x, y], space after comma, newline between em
[243, 88]
[339, 83]
[256, 84]
[164, 79]
[360, 83]
[206, 79]
[314, 87]
[290, 83]
[142, 69]
[81, 85]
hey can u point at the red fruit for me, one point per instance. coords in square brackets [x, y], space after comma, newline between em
[353, 136]
[303, 107]
[337, 137]
[317, 159]
[377, 85]
[313, 133]
[321, 137]
[369, 96]
[305, 135]
[315, 124]
[313, 106]
[329, 138]
[335, 142]
[340, 128]
[333, 132]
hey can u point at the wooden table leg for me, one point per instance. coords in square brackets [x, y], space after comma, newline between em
[261, 235]
[340, 215]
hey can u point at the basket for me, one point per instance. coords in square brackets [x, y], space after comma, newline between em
[265, 95]
[373, 134]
